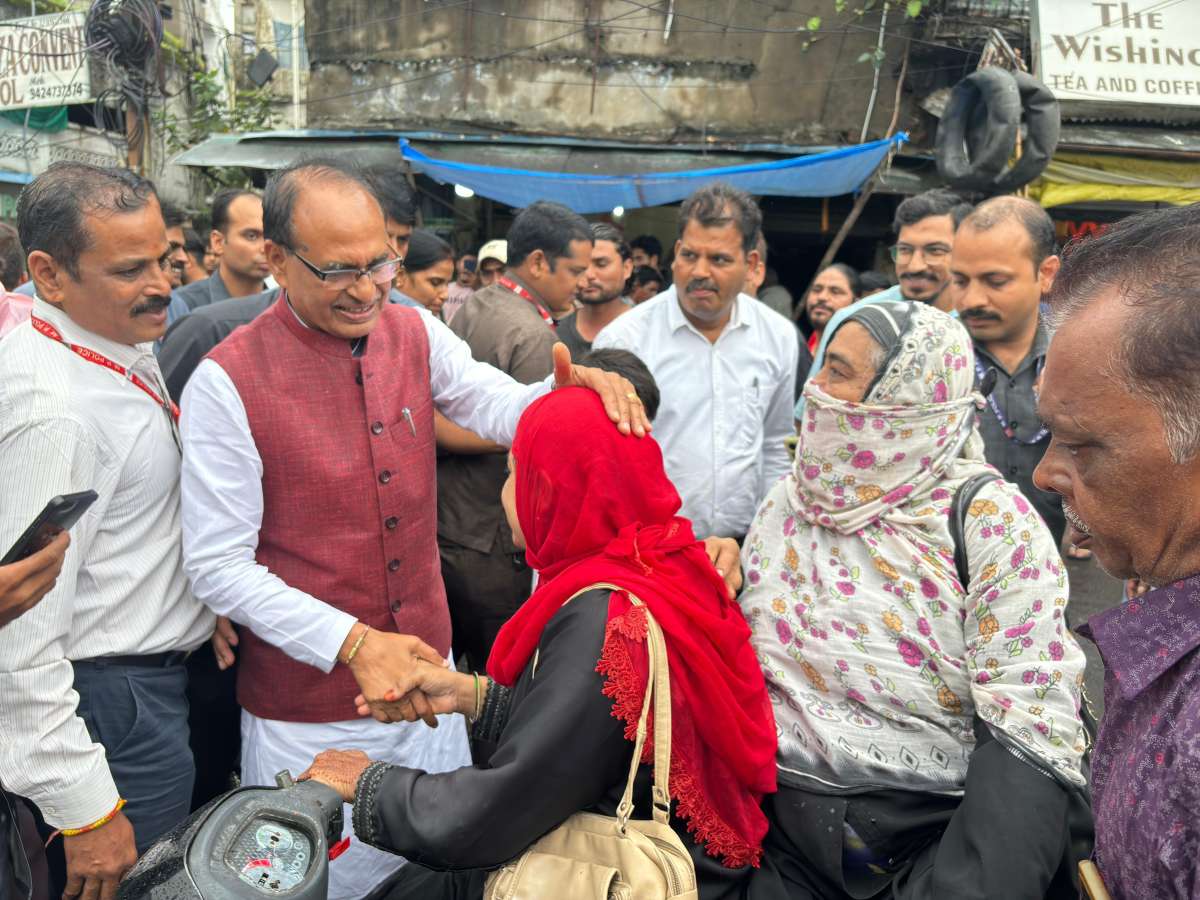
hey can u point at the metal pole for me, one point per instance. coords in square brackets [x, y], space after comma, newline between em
[296, 64]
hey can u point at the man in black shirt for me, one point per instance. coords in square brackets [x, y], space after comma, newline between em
[603, 299]
[1003, 263]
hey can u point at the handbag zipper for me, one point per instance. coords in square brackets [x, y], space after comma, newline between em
[668, 863]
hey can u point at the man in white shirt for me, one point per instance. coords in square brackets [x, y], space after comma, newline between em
[725, 364]
[93, 710]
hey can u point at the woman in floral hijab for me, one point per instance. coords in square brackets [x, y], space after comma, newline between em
[929, 734]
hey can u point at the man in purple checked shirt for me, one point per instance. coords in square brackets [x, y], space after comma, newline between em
[1121, 395]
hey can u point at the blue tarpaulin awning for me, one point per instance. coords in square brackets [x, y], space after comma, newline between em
[829, 174]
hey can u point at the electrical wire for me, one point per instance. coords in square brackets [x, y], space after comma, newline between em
[126, 36]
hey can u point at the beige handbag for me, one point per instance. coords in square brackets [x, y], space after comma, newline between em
[595, 857]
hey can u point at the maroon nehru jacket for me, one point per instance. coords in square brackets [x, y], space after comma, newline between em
[349, 493]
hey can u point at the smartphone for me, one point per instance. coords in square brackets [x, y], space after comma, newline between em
[59, 515]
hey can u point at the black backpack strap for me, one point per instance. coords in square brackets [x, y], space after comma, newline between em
[958, 522]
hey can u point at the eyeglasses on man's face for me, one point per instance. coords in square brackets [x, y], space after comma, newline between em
[344, 279]
[931, 252]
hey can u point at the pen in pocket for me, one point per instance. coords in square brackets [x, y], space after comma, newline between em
[407, 413]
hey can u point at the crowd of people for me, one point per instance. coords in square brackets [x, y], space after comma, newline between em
[409, 521]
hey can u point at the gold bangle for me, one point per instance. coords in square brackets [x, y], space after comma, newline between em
[354, 650]
[99, 823]
[478, 699]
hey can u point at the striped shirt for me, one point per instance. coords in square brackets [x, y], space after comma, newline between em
[69, 425]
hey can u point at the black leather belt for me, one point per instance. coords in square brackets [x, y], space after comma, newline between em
[137, 660]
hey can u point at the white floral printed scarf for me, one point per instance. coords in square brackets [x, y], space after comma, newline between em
[871, 650]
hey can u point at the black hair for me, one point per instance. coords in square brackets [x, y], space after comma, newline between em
[631, 367]
[871, 281]
[937, 202]
[1151, 262]
[646, 275]
[283, 189]
[719, 204]
[393, 192]
[850, 274]
[426, 250]
[546, 226]
[222, 200]
[12, 260]
[172, 215]
[52, 208]
[194, 245]
[1029, 215]
[648, 244]
[602, 231]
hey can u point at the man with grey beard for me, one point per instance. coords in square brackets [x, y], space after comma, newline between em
[1120, 397]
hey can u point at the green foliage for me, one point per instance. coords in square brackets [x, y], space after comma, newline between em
[209, 114]
[857, 9]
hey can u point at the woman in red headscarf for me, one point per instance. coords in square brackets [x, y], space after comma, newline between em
[590, 505]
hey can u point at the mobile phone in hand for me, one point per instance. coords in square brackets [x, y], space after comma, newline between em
[58, 516]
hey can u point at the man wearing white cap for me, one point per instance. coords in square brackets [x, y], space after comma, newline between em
[493, 257]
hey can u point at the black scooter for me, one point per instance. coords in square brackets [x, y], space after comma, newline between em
[249, 843]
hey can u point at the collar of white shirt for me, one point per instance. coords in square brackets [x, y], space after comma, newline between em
[128, 355]
[676, 319]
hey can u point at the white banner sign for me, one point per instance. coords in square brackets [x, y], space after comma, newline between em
[1138, 51]
[43, 63]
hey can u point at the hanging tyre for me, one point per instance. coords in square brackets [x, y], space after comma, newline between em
[978, 130]
[977, 137]
[1039, 129]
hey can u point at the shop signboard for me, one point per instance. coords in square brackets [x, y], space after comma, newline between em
[1136, 51]
[43, 61]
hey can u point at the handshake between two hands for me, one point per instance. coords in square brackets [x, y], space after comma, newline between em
[400, 677]
[403, 679]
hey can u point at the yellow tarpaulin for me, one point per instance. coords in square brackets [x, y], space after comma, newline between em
[1092, 177]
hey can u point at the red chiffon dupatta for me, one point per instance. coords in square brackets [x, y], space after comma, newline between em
[596, 506]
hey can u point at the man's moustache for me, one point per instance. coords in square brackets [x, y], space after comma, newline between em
[701, 286]
[972, 315]
[154, 304]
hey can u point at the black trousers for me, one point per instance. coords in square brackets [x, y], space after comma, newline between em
[483, 590]
[216, 730]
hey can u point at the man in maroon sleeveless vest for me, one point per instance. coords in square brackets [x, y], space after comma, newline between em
[309, 499]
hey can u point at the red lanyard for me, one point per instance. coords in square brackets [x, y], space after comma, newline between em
[511, 285]
[45, 328]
